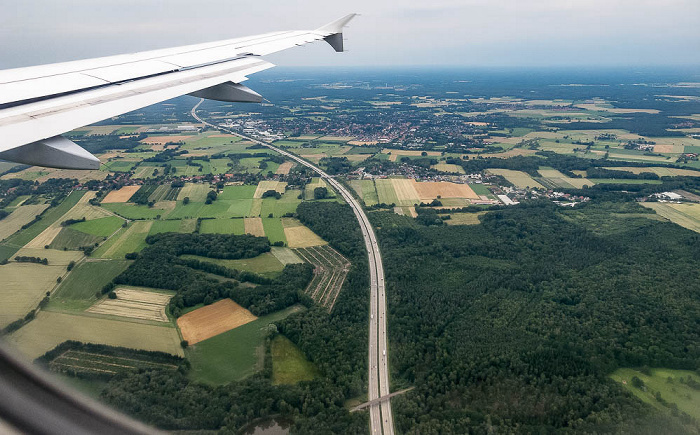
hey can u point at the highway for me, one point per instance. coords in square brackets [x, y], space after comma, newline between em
[381, 419]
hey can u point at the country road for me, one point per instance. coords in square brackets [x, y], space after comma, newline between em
[381, 419]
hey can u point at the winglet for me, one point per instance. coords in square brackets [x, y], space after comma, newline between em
[334, 31]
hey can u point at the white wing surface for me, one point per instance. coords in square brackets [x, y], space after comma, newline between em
[38, 104]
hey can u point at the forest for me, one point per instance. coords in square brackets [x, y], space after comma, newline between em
[159, 265]
[513, 325]
[335, 343]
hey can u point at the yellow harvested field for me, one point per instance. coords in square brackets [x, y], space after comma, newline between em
[661, 172]
[121, 195]
[518, 178]
[24, 285]
[49, 329]
[56, 257]
[254, 226]
[162, 140]
[405, 191]
[284, 168]
[211, 320]
[429, 190]
[20, 216]
[669, 148]
[82, 209]
[685, 215]
[45, 237]
[299, 236]
[134, 303]
[266, 185]
[447, 167]
[302, 237]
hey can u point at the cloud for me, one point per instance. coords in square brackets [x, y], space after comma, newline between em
[412, 32]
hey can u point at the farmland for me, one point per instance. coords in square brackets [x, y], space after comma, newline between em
[449, 168]
[52, 328]
[20, 216]
[557, 179]
[50, 216]
[235, 354]
[299, 236]
[101, 227]
[264, 264]
[518, 178]
[194, 191]
[93, 363]
[330, 270]
[671, 385]
[212, 320]
[289, 365]
[132, 239]
[685, 215]
[77, 291]
[19, 292]
[254, 226]
[134, 303]
[121, 195]
[366, 191]
[223, 226]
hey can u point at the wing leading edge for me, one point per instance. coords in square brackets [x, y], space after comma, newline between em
[38, 104]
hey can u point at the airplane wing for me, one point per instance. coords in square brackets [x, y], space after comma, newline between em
[39, 103]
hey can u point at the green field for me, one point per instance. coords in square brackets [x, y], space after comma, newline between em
[480, 189]
[164, 193]
[50, 328]
[222, 226]
[518, 178]
[102, 227]
[19, 217]
[237, 192]
[279, 207]
[71, 239]
[194, 191]
[365, 189]
[173, 226]
[274, 230]
[77, 291]
[289, 364]
[685, 215]
[133, 211]
[667, 383]
[133, 239]
[235, 354]
[263, 264]
[385, 191]
[119, 166]
[17, 240]
[24, 285]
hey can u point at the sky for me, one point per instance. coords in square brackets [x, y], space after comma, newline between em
[468, 33]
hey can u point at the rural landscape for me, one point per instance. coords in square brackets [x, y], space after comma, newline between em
[540, 241]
